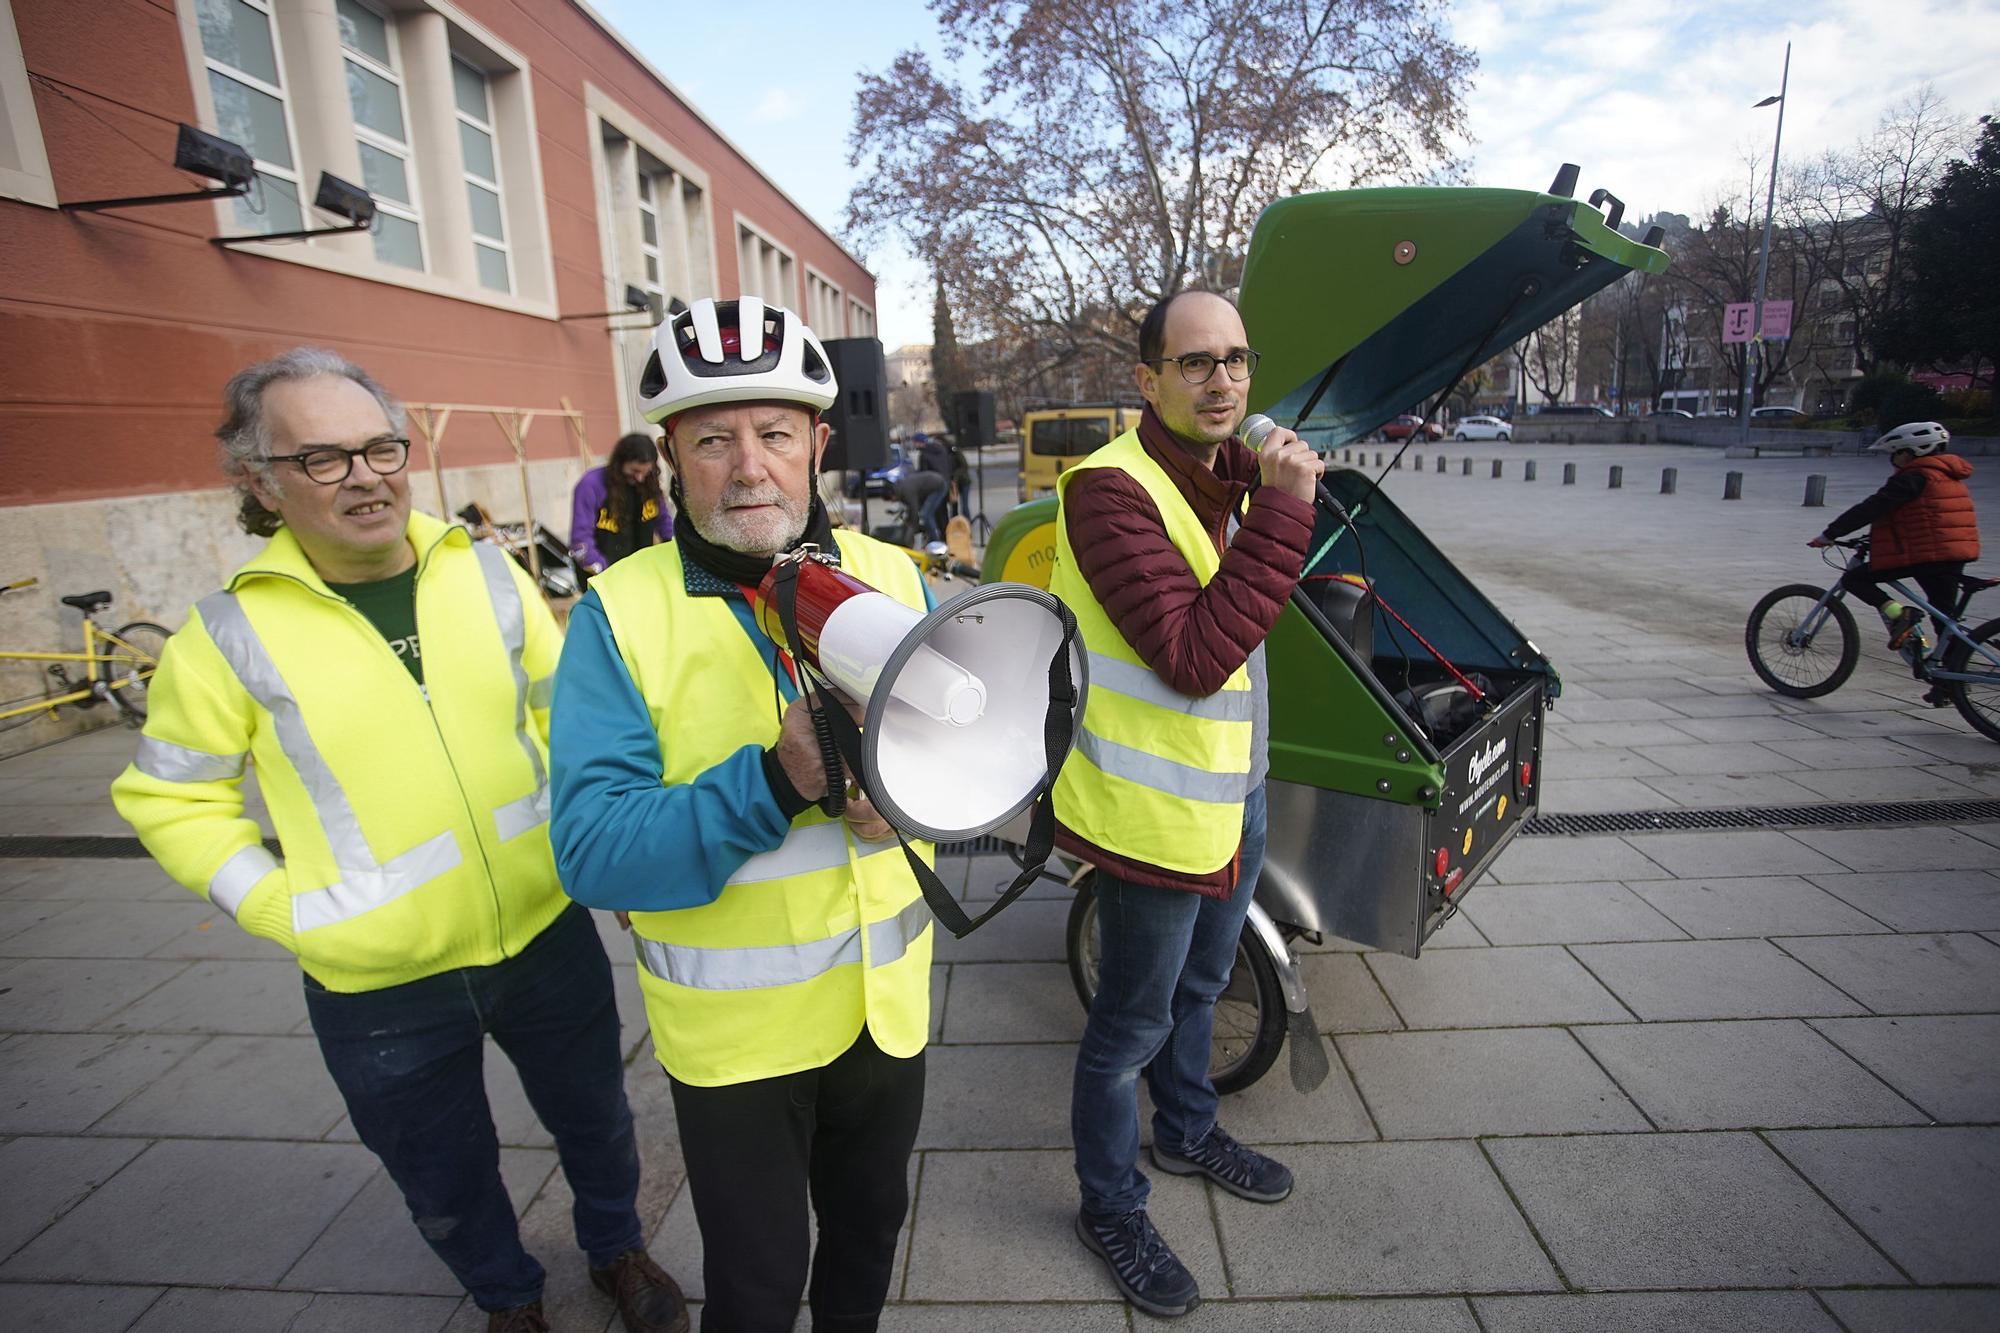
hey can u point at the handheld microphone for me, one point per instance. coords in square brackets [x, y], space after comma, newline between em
[1257, 428]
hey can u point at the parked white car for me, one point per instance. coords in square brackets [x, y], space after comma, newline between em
[1484, 428]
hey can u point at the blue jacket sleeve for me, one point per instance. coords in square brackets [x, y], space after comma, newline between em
[622, 838]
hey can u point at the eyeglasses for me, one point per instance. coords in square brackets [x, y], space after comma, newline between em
[1199, 367]
[329, 465]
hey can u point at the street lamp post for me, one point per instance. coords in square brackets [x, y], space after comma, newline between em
[1764, 258]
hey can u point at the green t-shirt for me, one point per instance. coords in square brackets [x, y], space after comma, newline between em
[391, 606]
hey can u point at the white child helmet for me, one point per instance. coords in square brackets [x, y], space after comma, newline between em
[700, 356]
[1919, 437]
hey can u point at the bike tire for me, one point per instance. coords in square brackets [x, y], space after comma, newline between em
[144, 637]
[1977, 704]
[1801, 673]
[1250, 1012]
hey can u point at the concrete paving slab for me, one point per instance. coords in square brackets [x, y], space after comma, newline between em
[997, 1096]
[1666, 689]
[1597, 763]
[1711, 979]
[1726, 853]
[1656, 1312]
[1433, 1085]
[236, 1088]
[1410, 1314]
[370, 1244]
[992, 1225]
[1754, 907]
[1903, 1311]
[66, 1305]
[1589, 796]
[1380, 1219]
[193, 1310]
[1681, 1210]
[1984, 780]
[1480, 988]
[1884, 784]
[1743, 1076]
[1731, 789]
[218, 937]
[61, 1084]
[63, 880]
[1907, 974]
[986, 875]
[87, 819]
[1030, 931]
[1026, 1317]
[1009, 1002]
[1614, 735]
[1945, 1065]
[1855, 753]
[1615, 705]
[1271, 1111]
[1922, 900]
[1903, 849]
[1345, 995]
[1457, 933]
[1986, 833]
[212, 1214]
[1677, 754]
[46, 1177]
[1573, 860]
[1955, 747]
[1913, 725]
[1737, 729]
[220, 996]
[1566, 914]
[68, 995]
[21, 914]
[1930, 1197]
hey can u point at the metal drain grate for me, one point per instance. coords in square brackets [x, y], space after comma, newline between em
[1767, 816]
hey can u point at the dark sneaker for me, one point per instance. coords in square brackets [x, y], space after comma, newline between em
[648, 1300]
[1149, 1274]
[518, 1319]
[1904, 625]
[1937, 697]
[1244, 1172]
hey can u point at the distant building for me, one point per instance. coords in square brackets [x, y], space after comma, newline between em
[912, 390]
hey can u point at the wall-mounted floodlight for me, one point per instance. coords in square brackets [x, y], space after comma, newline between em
[197, 151]
[636, 299]
[336, 196]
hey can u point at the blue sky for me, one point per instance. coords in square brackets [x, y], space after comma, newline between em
[1653, 101]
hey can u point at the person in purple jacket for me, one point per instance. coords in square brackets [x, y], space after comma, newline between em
[618, 508]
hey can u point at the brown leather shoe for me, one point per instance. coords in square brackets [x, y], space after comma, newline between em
[518, 1319]
[648, 1300]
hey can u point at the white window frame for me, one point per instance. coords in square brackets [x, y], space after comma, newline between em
[788, 264]
[824, 297]
[294, 173]
[412, 212]
[504, 244]
[854, 329]
[31, 182]
[647, 192]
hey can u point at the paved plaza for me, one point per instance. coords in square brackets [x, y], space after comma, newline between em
[1710, 1080]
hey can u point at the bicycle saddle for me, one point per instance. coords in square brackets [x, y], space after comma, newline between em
[1971, 583]
[87, 602]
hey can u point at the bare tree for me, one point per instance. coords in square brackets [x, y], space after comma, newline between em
[1114, 153]
[1548, 356]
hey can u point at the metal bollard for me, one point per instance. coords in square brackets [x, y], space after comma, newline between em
[1670, 478]
[1732, 486]
[1496, 466]
[1440, 466]
[1569, 474]
[1465, 468]
[1528, 470]
[1816, 491]
[1617, 477]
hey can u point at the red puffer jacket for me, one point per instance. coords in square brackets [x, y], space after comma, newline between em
[1192, 636]
[1939, 525]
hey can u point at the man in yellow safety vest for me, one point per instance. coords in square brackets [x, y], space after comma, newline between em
[784, 954]
[389, 679]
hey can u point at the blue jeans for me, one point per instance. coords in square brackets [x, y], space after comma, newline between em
[407, 1060]
[931, 512]
[1167, 955]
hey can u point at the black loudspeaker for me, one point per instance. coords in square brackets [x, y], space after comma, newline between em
[972, 418]
[860, 416]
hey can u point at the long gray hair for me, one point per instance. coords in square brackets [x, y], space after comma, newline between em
[245, 432]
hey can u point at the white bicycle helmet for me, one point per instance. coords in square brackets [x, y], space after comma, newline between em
[1919, 437]
[700, 356]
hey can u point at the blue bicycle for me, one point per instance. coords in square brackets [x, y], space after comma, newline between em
[1803, 642]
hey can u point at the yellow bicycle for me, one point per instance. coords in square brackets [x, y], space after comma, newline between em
[113, 666]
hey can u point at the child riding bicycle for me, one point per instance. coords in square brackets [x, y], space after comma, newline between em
[1922, 527]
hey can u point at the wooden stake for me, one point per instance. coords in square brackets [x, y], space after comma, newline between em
[431, 421]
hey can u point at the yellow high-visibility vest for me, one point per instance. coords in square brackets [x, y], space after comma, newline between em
[414, 820]
[806, 942]
[1157, 776]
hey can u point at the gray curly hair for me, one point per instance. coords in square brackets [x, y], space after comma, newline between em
[245, 433]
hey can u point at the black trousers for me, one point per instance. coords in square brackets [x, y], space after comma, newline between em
[838, 1137]
[1938, 579]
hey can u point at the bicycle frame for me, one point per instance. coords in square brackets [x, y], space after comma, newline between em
[1951, 626]
[91, 689]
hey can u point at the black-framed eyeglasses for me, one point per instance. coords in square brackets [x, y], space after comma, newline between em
[329, 464]
[1199, 367]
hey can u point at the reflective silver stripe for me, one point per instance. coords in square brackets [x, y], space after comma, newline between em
[541, 693]
[891, 939]
[1163, 775]
[753, 967]
[497, 566]
[364, 891]
[517, 817]
[805, 849]
[239, 874]
[1145, 685]
[177, 763]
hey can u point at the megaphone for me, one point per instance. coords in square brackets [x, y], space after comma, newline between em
[955, 739]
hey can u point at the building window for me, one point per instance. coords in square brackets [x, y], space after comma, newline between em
[381, 131]
[239, 45]
[763, 268]
[823, 313]
[860, 320]
[482, 176]
[649, 238]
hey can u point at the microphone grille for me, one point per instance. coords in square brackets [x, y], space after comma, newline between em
[1255, 428]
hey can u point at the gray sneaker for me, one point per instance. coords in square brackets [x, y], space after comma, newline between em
[1244, 1172]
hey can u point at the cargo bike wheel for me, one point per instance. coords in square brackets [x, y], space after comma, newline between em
[1249, 1014]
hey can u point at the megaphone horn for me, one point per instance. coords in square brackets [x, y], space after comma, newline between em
[954, 740]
